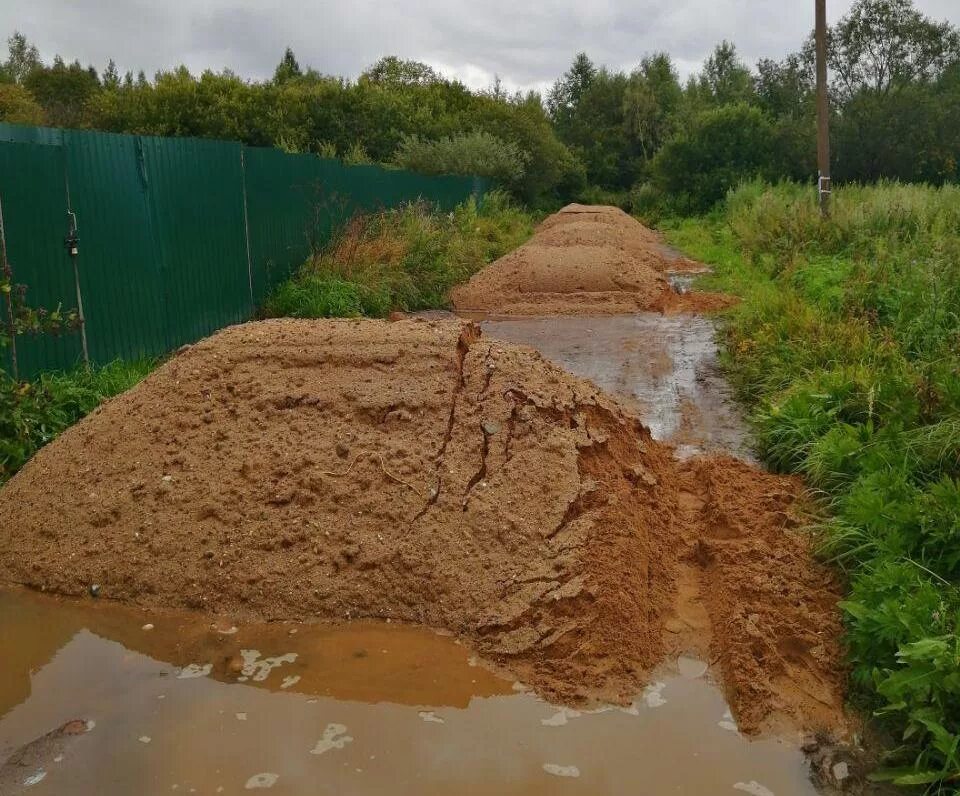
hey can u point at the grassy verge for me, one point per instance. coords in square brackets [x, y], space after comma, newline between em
[846, 349]
[33, 413]
[406, 259]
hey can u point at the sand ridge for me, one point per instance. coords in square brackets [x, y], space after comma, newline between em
[584, 260]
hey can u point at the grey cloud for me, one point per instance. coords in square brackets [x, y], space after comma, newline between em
[527, 44]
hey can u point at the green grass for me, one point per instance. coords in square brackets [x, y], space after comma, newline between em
[401, 260]
[846, 350]
[33, 413]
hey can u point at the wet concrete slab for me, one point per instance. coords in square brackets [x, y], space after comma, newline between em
[376, 709]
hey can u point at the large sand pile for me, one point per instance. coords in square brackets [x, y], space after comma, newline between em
[416, 471]
[583, 260]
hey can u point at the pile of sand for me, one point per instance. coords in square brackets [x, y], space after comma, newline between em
[418, 472]
[584, 260]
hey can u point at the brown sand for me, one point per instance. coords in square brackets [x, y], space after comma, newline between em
[416, 471]
[584, 260]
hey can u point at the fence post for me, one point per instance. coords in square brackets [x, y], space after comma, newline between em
[72, 251]
[7, 273]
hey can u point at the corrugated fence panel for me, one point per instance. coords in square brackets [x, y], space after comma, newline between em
[284, 198]
[120, 267]
[295, 202]
[178, 237]
[33, 197]
[195, 190]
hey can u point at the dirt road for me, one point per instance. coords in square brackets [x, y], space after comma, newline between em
[424, 472]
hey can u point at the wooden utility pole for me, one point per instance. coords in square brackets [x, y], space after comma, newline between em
[823, 111]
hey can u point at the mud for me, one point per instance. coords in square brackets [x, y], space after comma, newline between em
[664, 369]
[585, 261]
[420, 472]
[734, 521]
[424, 472]
[392, 710]
[343, 469]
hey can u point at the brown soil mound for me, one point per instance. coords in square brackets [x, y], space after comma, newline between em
[582, 260]
[358, 468]
[413, 470]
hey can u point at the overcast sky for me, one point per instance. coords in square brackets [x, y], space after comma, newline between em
[528, 44]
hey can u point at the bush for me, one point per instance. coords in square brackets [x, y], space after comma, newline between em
[17, 105]
[405, 259]
[847, 346]
[480, 154]
[723, 147]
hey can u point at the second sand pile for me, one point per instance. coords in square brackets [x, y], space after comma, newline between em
[584, 259]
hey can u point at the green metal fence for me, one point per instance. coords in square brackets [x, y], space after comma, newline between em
[178, 236]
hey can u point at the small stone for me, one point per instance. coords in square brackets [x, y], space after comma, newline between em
[342, 450]
[144, 739]
[840, 771]
[490, 428]
[148, 626]
[94, 589]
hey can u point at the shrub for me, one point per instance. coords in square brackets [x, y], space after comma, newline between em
[17, 105]
[478, 153]
[405, 259]
[722, 147]
[847, 345]
[33, 413]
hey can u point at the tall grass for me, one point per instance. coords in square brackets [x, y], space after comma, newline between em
[846, 348]
[33, 413]
[405, 259]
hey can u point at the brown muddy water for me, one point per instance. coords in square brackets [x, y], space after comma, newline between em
[366, 708]
[98, 699]
[664, 366]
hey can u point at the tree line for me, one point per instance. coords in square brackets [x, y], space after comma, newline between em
[641, 139]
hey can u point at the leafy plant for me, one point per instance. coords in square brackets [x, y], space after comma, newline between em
[33, 413]
[845, 347]
[405, 259]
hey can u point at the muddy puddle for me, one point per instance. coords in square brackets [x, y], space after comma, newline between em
[664, 365]
[185, 707]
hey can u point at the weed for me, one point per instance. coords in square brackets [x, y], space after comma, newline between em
[405, 259]
[845, 348]
[33, 413]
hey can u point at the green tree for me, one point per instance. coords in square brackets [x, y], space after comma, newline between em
[723, 147]
[725, 78]
[885, 44]
[18, 106]
[786, 88]
[394, 71]
[63, 91]
[22, 58]
[651, 99]
[564, 98]
[110, 79]
[287, 69]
